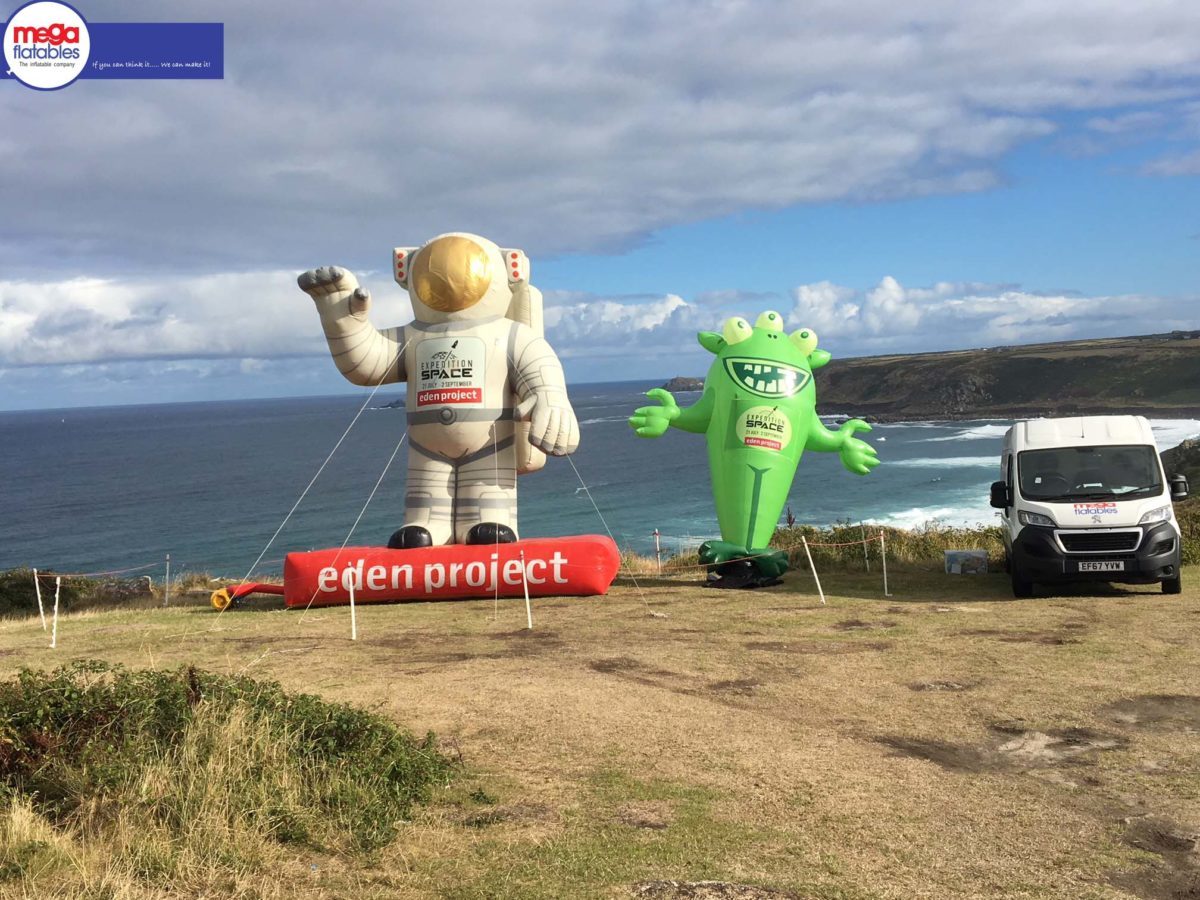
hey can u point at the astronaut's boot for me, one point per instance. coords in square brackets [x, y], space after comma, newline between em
[410, 537]
[490, 533]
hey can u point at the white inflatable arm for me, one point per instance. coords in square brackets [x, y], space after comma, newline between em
[362, 353]
[542, 387]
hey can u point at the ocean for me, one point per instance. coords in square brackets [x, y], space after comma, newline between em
[118, 488]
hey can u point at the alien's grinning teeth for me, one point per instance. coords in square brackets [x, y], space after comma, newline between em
[767, 379]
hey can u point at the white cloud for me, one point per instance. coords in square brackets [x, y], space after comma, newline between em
[1174, 166]
[553, 126]
[208, 326]
[890, 317]
[88, 320]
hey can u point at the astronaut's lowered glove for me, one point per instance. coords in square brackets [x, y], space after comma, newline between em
[553, 426]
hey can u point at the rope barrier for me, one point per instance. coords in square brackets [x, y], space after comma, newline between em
[97, 574]
[878, 537]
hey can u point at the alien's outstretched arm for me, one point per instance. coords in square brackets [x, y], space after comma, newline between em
[653, 421]
[695, 418]
[857, 456]
[362, 353]
[822, 439]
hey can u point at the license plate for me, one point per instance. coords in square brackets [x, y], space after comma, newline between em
[1102, 566]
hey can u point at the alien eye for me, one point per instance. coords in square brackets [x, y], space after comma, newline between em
[736, 330]
[770, 320]
[805, 340]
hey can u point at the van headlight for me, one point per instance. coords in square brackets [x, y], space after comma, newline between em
[1032, 518]
[1158, 514]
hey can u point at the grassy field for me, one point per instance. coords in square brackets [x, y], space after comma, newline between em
[943, 742]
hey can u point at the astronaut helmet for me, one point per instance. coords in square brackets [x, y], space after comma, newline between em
[459, 277]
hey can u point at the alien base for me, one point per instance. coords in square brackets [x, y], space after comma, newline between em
[580, 566]
[732, 567]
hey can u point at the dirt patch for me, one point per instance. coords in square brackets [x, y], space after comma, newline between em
[630, 669]
[266, 639]
[955, 757]
[1169, 711]
[1155, 884]
[941, 685]
[1052, 638]
[1161, 836]
[860, 625]
[1177, 877]
[898, 610]
[706, 890]
[620, 664]
[649, 814]
[447, 649]
[831, 648]
[527, 635]
[515, 813]
[1033, 637]
[1029, 749]
[1012, 748]
[743, 687]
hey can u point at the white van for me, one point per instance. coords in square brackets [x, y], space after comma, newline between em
[1085, 499]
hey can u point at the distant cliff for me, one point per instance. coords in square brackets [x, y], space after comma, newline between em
[1184, 460]
[1153, 375]
[681, 384]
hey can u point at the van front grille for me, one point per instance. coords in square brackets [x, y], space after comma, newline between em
[1100, 541]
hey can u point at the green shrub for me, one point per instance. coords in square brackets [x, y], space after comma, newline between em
[924, 544]
[175, 748]
[1188, 514]
[18, 597]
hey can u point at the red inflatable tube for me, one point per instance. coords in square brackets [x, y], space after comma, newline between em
[553, 567]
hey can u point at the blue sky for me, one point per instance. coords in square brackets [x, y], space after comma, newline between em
[943, 176]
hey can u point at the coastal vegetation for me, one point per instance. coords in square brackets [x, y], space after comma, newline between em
[190, 783]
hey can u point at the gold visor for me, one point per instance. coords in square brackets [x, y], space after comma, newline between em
[451, 273]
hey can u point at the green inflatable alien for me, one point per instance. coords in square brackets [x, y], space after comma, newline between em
[758, 413]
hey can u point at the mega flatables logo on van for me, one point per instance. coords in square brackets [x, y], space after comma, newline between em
[46, 45]
[1096, 511]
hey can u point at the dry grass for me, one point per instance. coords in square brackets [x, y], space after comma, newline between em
[944, 742]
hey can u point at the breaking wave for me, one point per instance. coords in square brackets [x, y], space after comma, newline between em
[949, 462]
[977, 433]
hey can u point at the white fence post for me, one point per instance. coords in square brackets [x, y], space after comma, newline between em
[37, 587]
[54, 630]
[816, 578]
[528, 606]
[883, 556]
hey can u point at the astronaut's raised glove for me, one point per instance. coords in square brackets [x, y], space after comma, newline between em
[553, 427]
[339, 299]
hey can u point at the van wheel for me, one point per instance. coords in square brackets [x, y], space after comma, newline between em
[1021, 586]
[1172, 585]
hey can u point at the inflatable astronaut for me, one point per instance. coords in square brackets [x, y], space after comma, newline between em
[486, 393]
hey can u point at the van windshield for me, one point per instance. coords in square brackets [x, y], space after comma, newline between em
[1064, 474]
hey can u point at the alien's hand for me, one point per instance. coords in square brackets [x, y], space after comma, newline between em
[336, 293]
[857, 456]
[653, 421]
[553, 427]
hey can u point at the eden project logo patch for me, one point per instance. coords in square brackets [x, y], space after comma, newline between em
[450, 372]
[766, 378]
